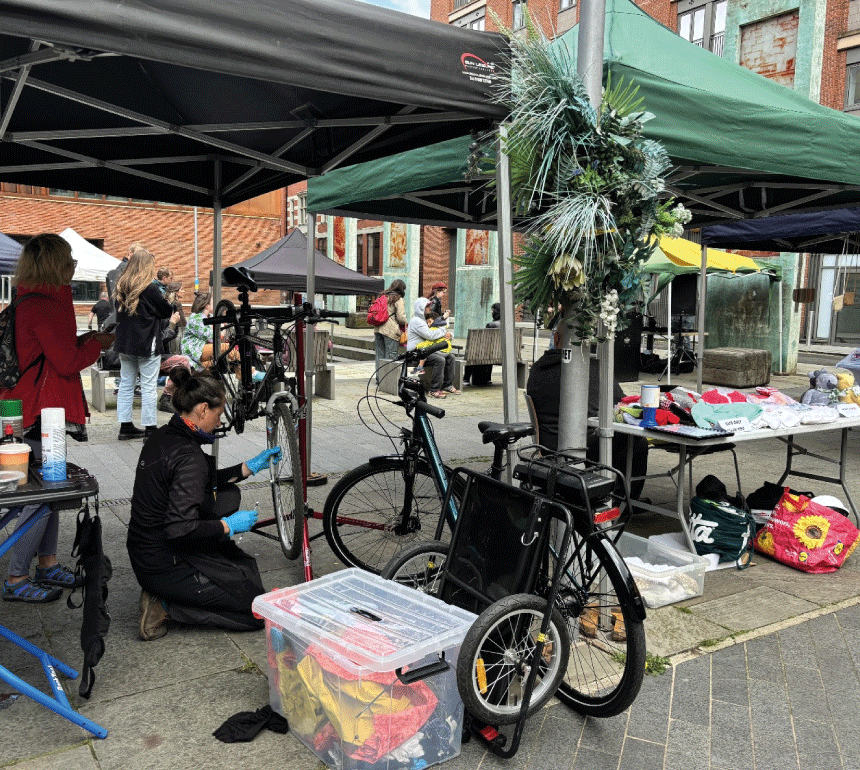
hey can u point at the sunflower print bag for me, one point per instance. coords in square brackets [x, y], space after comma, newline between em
[806, 535]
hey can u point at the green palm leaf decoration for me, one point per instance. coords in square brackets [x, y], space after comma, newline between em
[587, 184]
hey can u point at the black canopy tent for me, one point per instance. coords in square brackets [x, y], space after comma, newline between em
[284, 265]
[212, 102]
[140, 99]
[823, 232]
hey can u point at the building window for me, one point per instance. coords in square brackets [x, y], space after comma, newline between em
[460, 4]
[302, 213]
[473, 20]
[519, 21]
[703, 23]
[369, 253]
[322, 246]
[853, 15]
[852, 87]
[564, 5]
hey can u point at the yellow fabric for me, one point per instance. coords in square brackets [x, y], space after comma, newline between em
[428, 343]
[296, 702]
[688, 254]
[349, 705]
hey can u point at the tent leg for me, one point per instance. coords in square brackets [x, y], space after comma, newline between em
[700, 316]
[216, 258]
[506, 289]
[781, 366]
[309, 339]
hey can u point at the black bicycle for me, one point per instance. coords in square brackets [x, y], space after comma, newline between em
[397, 507]
[254, 364]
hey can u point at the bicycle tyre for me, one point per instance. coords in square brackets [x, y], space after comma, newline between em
[419, 566]
[489, 672]
[286, 480]
[606, 664]
[224, 372]
[364, 508]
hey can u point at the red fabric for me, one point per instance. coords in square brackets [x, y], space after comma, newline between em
[806, 535]
[47, 323]
[714, 397]
[736, 397]
[665, 417]
[629, 400]
[390, 730]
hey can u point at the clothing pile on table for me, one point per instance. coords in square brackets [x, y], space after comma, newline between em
[361, 722]
[764, 407]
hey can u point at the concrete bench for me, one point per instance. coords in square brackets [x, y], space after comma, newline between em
[484, 347]
[736, 367]
[98, 382]
[323, 370]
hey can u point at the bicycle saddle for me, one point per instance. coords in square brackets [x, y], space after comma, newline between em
[238, 276]
[496, 431]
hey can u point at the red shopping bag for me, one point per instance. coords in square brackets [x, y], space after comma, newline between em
[806, 535]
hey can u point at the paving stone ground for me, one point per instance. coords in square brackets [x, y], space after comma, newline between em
[763, 666]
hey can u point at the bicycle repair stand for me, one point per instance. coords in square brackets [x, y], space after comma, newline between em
[58, 703]
[488, 561]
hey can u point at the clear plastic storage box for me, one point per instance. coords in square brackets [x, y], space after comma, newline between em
[663, 574]
[364, 670]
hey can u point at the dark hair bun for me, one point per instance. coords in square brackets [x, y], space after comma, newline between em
[180, 375]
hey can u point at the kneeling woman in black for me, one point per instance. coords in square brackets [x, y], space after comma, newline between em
[184, 512]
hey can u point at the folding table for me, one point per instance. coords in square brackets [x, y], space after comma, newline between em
[49, 495]
[787, 435]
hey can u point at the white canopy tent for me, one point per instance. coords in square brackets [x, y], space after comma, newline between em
[93, 263]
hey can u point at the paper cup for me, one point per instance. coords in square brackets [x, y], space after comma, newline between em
[15, 457]
[649, 397]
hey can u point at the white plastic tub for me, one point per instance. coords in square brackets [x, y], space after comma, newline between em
[664, 575]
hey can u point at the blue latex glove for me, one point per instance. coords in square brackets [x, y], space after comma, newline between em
[256, 464]
[241, 521]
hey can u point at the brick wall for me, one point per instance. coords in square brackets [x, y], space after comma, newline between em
[833, 64]
[435, 243]
[167, 231]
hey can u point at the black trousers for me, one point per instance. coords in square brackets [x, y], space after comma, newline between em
[212, 588]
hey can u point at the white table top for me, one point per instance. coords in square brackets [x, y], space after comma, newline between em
[748, 435]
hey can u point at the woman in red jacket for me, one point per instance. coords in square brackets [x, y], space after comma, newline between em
[51, 357]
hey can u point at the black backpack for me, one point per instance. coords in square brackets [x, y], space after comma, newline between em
[10, 370]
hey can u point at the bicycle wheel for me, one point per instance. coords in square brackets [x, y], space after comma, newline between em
[607, 656]
[286, 478]
[419, 566]
[226, 372]
[365, 521]
[496, 657]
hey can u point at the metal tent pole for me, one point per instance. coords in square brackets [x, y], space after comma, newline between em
[506, 289]
[309, 338]
[216, 262]
[700, 316]
[573, 404]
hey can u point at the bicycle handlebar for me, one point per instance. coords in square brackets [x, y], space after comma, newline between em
[286, 313]
[423, 406]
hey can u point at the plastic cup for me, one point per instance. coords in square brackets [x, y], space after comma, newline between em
[15, 457]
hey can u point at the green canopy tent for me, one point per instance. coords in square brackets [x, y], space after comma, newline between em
[743, 147]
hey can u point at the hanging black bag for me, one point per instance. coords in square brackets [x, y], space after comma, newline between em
[96, 570]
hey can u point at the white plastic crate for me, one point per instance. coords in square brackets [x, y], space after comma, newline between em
[663, 574]
[339, 650]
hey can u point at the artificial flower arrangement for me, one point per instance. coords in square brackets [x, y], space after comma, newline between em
[587, 185]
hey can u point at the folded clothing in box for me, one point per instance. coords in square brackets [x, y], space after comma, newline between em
[364, 670]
